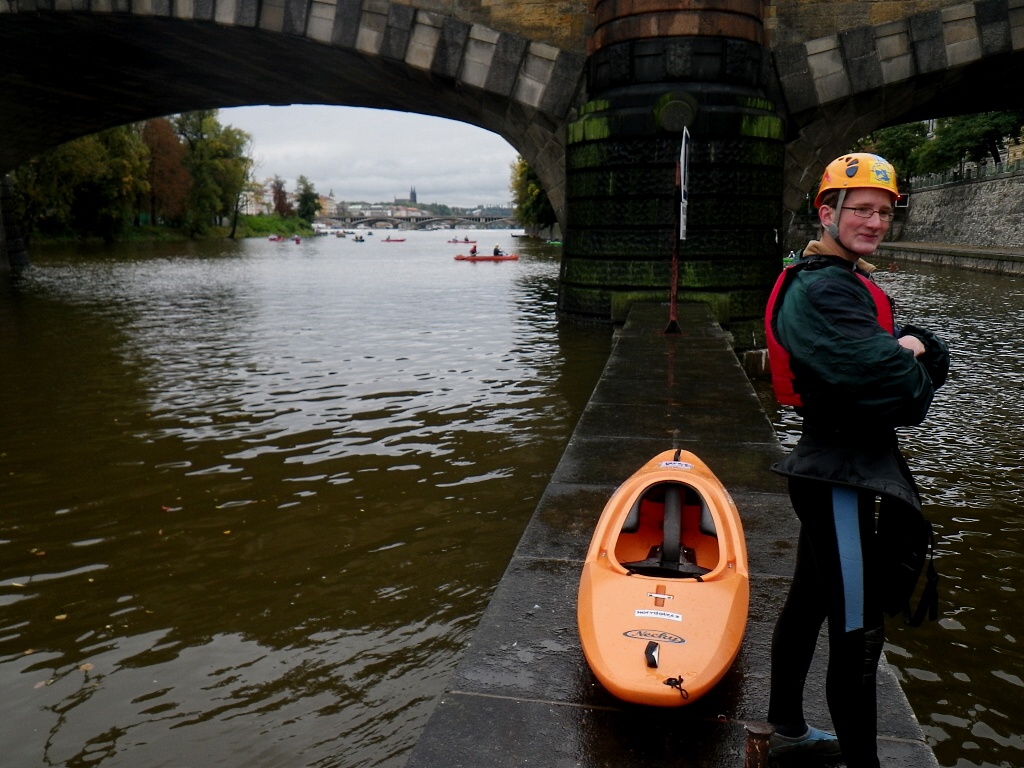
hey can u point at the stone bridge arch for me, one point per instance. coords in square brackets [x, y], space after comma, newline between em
[940, 62]
[594, 94]
[69, 68]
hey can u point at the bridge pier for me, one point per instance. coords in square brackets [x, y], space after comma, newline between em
[648, 75]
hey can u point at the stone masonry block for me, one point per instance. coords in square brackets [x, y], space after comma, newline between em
[994, 25]
[566, 76]
[954, 13]
[795, 78]
[995, 38]
[528, 91]
[295, 17]
[832, 87]
[321, 21]
[450, 46]
[395, 41]
[927, 40]
[346, 23]
[862, 60]
[508, 56]
[225, 12]
[371, 31]
[963, 52]
[423, 42]
[476, 62]
[202, 9]
[893, 41]
[271, 15]
[1017, 28]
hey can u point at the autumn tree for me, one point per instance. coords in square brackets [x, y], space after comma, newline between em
[280, 197]
[169, 181]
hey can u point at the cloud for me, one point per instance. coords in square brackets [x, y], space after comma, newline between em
[377, 155]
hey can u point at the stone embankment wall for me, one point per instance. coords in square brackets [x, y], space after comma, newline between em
[985, 213]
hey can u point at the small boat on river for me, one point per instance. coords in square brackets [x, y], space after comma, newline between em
[467, 241]
[488, 257]
[664, 593]
[390, 239]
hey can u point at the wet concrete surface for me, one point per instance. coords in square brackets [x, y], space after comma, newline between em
[523, 695]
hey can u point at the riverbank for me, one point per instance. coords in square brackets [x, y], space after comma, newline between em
[523, 694]
[1002, 261]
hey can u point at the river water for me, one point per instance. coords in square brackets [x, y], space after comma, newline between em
[254, 496]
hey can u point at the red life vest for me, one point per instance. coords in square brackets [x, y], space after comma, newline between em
[778, 357]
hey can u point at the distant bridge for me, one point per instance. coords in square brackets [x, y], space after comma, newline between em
[426, 222]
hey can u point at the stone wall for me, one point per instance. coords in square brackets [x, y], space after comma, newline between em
[984, 213]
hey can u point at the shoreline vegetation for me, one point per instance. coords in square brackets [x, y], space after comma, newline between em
[259, 226]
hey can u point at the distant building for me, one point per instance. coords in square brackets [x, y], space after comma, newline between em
[411, 199]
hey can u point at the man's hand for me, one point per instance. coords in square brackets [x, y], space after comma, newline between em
[912, 343]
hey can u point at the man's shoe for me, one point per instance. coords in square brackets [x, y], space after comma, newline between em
[814, 742]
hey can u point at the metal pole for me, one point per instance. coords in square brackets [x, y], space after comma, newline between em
[673, 322]
[758, 738]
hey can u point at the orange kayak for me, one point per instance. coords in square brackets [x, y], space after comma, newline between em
[665, 589]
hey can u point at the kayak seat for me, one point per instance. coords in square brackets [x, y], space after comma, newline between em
[707, 522]
[632, 522]
[671, 558]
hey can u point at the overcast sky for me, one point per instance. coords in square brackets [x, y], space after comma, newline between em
[376, 155]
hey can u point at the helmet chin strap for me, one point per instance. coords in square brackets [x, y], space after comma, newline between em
[833, 228]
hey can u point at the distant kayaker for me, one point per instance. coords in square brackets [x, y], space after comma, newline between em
[497, 250]
[472, 251]
[854, 376]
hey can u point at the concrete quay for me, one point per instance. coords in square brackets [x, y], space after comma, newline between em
[522, 695]
[999, 261]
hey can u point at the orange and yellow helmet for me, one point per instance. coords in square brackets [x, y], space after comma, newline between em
[858, 169]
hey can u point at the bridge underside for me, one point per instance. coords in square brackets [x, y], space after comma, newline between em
[97, 71]
[762, 121]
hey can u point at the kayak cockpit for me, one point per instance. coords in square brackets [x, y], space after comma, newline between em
[669, 532]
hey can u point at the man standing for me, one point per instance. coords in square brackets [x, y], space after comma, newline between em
[854, 376]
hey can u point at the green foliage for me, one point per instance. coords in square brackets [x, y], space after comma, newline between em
[533, 209]
[307, 201]
[897, 145]
[217, 158]
[266, 225]
[190, 171]
[89, 186]
[956, 140]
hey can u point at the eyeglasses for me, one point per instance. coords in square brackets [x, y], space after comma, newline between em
[866, 212]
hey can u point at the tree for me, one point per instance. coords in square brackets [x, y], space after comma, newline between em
[280, 197]
[306, 199]
[533, 209]
[969, 137]
[92, 185]
[218, 161]
[169, 181]
[897, 145]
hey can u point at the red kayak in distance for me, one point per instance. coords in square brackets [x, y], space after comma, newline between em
[393, 240]
[468, 242]
[485, 257]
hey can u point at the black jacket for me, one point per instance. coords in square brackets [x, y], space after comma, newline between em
[857, 383]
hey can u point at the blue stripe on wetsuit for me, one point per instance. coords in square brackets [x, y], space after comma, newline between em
[851, 562]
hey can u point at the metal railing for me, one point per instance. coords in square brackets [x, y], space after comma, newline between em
[970, 173]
